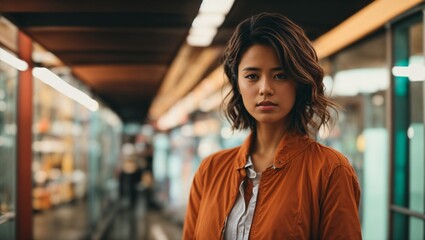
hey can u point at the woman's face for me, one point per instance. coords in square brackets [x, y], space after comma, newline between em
[267, 93]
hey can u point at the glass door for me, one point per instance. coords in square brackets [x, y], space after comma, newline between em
[408, 165]
[8, 86]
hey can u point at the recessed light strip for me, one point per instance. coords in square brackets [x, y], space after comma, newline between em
[415, 72]
[210, 16]
[13, 61]
[51, 79]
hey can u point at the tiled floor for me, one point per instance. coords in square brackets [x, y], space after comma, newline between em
[71, 222]
[137, 223]
[65, 222]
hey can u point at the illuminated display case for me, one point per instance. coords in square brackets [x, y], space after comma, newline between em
[8, 117]
[75, 153]
[8, 86]
[104, 144]
[60, 128]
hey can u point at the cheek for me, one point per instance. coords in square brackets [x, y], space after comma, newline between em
[292, 92]
[243, 90]
[247, 95]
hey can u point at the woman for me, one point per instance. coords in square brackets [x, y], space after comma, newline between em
[280, 183]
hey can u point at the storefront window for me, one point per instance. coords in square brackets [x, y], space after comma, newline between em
[76, 152]
[8, 86]
[105, 130]
[357, 79]
[408, 89]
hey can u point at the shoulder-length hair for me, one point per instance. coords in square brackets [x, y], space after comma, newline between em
[299, 61]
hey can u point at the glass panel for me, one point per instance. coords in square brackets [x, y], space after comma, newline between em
[103, 154]
[416, 228]
[76, 152]
[8, 85]
[408, 126]
[416, 126]
[357, 79]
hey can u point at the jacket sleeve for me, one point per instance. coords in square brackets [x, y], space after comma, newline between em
[193, 206]
[339, 208]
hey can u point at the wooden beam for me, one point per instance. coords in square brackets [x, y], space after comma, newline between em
[58, 6]
[8, 36]
[176, 70]
[364, 22]
[107, 29]
[192, 75]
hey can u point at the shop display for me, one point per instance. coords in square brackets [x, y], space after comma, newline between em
[74, 149]
[8, 84]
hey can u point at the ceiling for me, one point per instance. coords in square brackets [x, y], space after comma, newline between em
[129, 52]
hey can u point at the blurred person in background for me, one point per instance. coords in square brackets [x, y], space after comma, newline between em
[147, 179]
[280, 183]
[130, 175]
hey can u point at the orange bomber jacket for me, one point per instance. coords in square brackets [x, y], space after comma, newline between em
[312, 192]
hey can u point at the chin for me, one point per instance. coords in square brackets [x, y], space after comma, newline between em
[268, 120]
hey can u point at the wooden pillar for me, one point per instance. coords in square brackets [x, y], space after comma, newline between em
[24, 143]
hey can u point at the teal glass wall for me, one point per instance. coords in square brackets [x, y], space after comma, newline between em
[8, 86]
[357, 79]
[407, 199]
[105, 131]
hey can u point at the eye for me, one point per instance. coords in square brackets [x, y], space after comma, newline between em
[280, 76]
[251, 76]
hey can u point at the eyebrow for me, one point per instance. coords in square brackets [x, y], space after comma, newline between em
[258, 69]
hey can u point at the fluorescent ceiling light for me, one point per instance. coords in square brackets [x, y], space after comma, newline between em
[216, 6]
[63, 87]
[203, 31]
[208, 20]
[400, 71]
[212, 102]
[201, 36]
[210, 16]
[363, 80]
[199, 41]
[414, 72]
[13, 61]
[174, 117]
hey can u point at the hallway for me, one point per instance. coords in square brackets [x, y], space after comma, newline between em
[71, 221]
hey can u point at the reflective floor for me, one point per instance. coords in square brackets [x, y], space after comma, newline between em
[70, 222]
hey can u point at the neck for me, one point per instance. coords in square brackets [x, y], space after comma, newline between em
[267, 139]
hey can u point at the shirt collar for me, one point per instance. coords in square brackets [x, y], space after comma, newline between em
[290, 146]
[249, 168]
[248, 162]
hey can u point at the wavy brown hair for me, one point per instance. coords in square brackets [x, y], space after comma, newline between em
[299, 61]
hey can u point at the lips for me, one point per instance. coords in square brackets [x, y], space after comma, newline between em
[266, 103]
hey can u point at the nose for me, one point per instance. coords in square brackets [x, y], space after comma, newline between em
[266, 88]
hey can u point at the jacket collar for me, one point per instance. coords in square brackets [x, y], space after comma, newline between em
[290, 146]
